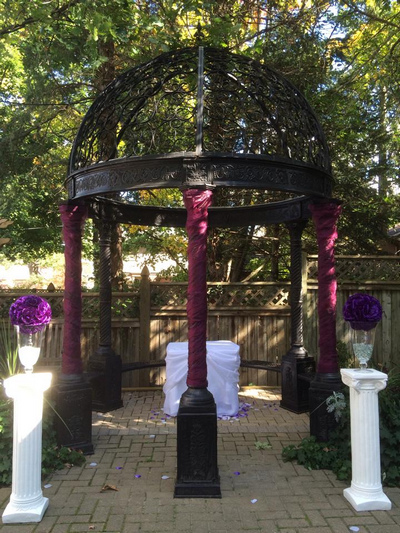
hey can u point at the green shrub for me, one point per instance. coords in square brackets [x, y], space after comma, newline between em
[6, 437]
[335, 454]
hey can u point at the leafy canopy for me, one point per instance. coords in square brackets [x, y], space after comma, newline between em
[55, 57]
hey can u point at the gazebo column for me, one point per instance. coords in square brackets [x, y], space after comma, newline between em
[327, 380]
[197, 475]
[296, 361]
[73, 394]
[105, 365]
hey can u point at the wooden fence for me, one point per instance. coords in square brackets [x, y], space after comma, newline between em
[254, 315]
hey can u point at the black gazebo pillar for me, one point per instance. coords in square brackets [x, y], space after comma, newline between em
[327, 379]
[105, 365]
[296, 362]
[197, 475]
[73, 395]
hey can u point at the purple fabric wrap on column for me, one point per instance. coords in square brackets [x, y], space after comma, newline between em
[325, 217]
[73, 218]
[197, 202]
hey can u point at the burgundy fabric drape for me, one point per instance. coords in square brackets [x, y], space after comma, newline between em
[73, 218]
[197, 203]
[325, 216]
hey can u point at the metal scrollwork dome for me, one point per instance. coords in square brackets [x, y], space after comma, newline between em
[200, 117]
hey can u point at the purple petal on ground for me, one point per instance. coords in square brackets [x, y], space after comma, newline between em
[237, 473]
[118, 468]
[138, 475]
[152, 418]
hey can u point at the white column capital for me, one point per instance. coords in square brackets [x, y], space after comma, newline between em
[29, 383]
[364, 380]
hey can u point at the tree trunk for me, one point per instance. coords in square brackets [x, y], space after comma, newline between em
[107, 147]
[275, 253]
[240, 255]
[117, 275]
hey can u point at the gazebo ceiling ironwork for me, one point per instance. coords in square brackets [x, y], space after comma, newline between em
[201, 118]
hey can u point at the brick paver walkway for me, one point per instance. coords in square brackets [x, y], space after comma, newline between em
[135, 452]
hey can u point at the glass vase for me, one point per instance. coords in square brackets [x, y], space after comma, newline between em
[29, 344]
[363, 345]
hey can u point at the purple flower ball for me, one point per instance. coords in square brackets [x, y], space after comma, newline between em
[362, 311]
[31, 313]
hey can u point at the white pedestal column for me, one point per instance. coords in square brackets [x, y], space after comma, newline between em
[365, 493]
[27, 503]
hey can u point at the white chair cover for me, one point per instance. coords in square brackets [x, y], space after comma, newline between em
[223, 362]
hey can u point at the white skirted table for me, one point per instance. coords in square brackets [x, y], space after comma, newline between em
[223, 362]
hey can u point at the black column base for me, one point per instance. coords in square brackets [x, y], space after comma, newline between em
[73, 404]
[323, 423]
[295, 390]
[197, 475]
[105, 370]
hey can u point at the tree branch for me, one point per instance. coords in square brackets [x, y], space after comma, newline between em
[372, 16]
[55, 14]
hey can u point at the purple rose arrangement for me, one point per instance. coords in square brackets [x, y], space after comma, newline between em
[30, 313]
[362, 311]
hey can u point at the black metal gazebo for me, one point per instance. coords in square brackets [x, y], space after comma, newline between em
[192, 119]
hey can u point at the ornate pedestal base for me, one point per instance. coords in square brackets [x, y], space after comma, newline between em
[105, 368]
[365, 493]
[322, 422]
[295, 390]
[27, 503]
[73, 399]
[197, 446]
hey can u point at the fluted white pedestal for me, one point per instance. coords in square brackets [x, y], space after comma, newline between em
[27, 503]
[365, 493]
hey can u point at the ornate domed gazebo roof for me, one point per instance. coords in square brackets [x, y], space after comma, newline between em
[203, 118]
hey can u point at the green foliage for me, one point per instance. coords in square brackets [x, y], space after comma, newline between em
[53, 456]
[336, 404]
[9, 362]
[6, 438]
[335, 455]
[263, 445]
[345, 358]
[56, 57]
[389, 411]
